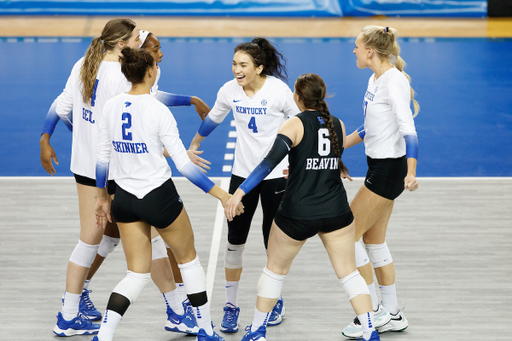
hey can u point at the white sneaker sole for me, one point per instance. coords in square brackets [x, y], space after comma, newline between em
[72, 332]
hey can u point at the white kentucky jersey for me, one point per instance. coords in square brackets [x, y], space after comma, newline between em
[257, 121]
[388, 115]
[110, 82]
[133, 133]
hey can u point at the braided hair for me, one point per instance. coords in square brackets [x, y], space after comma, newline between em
[312, 91]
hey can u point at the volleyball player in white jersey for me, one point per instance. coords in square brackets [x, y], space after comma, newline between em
[315, 202]
[391, 146]
[94, 79]
[133, 132]
[260, 102]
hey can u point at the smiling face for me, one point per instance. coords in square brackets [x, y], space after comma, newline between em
[362, 53]
[152, 45]
[244, 69]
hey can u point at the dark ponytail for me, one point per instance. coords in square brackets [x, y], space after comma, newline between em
[311, 90]
[135, 64]
[264, 53]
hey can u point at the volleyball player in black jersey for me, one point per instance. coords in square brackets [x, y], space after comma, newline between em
[315, 202]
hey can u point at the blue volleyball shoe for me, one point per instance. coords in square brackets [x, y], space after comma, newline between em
[277, 315]
[185, 323]
[80, 325]
[259, 335]
[229, 322]
[374, 337]
[86, 307]
[202, 336]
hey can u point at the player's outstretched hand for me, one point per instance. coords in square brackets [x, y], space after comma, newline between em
[201, 107]
[234, 206]
[203, 164]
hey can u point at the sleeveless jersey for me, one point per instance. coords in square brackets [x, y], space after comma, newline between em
[314, 189]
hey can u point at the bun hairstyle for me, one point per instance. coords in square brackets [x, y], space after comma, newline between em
[114, 30]
[312, 91]
[135, 64]
[383, 41]
[264, 53]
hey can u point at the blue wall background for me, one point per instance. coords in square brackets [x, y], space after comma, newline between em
[296, 8]
[464, 87]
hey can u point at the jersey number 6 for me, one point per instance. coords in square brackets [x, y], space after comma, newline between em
[127, 125]
[324, 144]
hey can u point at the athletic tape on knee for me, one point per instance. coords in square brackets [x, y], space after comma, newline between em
[270, 284]
[193, 276]
[379, 254]
[361, 256]
[234, 256]
[107, 245]
[132, 285]
[158, 248]
[354, 285]
[84, 254]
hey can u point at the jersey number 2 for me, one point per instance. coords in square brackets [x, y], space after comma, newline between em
[324, 144]
[127, 125]
[252, 125]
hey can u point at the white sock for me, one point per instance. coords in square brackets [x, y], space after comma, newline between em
[260, 319]
[373, 295]
[173, 301]
[232, 292]
[70, 306]
[204, 318]
[366, 320]
[86, 284]
[389, 298]
[182, 292]
[108, 326]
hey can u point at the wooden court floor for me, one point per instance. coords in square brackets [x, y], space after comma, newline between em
[451, 242]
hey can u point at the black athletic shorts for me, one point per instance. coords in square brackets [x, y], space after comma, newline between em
[159, 208]
[83, 180]
[300, 229]
[271, 193]
[385, 177]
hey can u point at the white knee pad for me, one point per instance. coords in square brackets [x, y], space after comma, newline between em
[107, 245]
[84, 254]
[132, 285]
[361, 255]
[193, 276]
[379, 254]
[234, 256]
[354, 285]
[270, 284]
[158, 248]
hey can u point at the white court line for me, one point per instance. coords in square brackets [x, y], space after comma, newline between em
[217, 235]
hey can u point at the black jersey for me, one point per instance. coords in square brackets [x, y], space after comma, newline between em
[314, 189]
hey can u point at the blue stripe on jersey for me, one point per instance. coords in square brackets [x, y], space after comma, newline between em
[102, 174]
[411, 146]
[361, 132]
[207, 126]
[197, 177]
[173, 100]
[52, 119]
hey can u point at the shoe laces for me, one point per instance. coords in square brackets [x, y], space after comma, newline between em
[83, 320]
[230, 313]
[87, 299]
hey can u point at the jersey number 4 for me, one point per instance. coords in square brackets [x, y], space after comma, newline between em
[252, 125]
[127, 124]
[324, 144]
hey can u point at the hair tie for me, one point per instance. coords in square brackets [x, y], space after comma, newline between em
[101, 38]
[386, 29]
